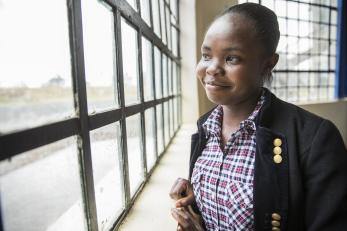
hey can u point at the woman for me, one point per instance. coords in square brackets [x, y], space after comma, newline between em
[257, 163]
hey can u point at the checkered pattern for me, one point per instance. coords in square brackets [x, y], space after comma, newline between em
[223, 179]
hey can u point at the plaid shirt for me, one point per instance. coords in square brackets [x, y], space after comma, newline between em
[223, 179]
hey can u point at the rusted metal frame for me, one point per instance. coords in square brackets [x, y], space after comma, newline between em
[142, 108]
[80, 92]
[124, 169]
[135, 19]
[15, 143]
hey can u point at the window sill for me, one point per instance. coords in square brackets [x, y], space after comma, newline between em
[151, 210]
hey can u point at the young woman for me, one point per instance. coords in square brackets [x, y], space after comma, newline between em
[257, 163]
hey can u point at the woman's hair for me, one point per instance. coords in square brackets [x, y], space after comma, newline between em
[265, 23]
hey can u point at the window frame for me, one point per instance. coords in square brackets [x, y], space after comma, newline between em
[17, 142]
[319, 72]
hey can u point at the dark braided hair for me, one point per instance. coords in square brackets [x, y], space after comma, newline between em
[265, 23]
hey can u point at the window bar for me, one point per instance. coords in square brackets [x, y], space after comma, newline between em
[162, 104]
[314, 4]
[150, 14]
[124, 153]
[286, 79]
[299, 55]
[329, 43]
[303, 20]
[155, 97]
[319, 61]
[168, 93]
[160, 22]
[15, 143]
[142, 114]
[138, 6]
[165, 24]
[79, 88]
[133, 18]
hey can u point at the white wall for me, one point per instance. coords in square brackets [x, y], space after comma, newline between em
[188, 62]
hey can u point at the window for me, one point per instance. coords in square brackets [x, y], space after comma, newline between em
[306, 68]
[89, 100]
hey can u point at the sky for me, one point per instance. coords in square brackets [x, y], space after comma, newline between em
[34, 43]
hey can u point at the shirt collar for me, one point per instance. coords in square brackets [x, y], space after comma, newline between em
[213, 124]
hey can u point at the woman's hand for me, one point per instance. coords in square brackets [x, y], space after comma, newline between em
[182, 192]
[187, 220]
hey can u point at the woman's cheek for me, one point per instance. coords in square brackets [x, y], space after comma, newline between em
[200, 71]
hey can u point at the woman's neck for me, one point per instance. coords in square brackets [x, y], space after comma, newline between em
[234, 114]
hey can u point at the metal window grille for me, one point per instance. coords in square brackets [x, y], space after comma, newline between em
[307, 49]
[155, 25]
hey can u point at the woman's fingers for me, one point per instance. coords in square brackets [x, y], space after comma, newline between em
[179, 189]
[183, 202]
[181, 217]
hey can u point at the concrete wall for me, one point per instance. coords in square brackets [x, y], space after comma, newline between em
[188, 44]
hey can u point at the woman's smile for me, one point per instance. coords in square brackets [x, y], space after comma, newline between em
[216, 86]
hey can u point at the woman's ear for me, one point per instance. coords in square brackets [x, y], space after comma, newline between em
[270, 63]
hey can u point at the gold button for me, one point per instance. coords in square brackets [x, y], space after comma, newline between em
[275, 223]
[275, 229]
[277, 159]
[277, 150]
[276, 216]
[277, 142]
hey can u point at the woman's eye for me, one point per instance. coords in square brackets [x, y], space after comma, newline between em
[205, 57]
[232, 59]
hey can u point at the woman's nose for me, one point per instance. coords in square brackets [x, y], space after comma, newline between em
[215, 68]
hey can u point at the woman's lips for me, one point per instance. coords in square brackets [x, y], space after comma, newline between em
[216, 86]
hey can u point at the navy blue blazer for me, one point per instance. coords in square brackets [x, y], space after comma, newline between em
[308, 188]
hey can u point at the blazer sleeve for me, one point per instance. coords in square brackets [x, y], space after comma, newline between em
[325, 180]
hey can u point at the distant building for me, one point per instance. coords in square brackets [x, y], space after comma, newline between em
[57, 81]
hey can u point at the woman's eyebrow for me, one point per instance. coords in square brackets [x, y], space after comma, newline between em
[204, 47]
[232, 49]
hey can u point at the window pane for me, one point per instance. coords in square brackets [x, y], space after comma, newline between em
[35, 84]
[174, 41]
[105, 147]
[147, 69]
[40, 189]
[133, 124]
[174, 77]
[150, 138]
[99, 55]
[173, 4]
[158, 76]
[170, 75]
[145, 13]
[160, 138]
[165, 77]
[281, 8]
[176, 113]
[166, 123]
[156, 17]
[172, 125]
[162, 21]
[168, 28]
[130, 63]
[132, 3]
[293, 9]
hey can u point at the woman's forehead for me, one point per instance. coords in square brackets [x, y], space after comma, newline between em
[229, 30]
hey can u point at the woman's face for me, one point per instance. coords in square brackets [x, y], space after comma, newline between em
[232, 63]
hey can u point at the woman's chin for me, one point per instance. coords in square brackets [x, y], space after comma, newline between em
[216, 99]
